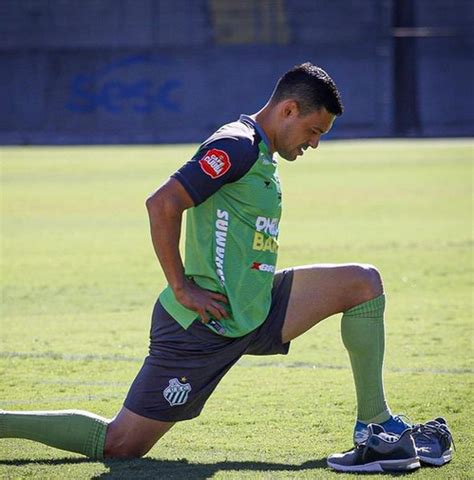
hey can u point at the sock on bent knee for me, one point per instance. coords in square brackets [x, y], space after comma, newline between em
[72, 430]
[363, 335]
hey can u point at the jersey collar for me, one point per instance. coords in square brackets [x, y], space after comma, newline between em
[249, 119]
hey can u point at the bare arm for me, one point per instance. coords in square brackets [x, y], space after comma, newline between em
[165, 210]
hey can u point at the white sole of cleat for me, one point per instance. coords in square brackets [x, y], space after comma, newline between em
[380, 466]
[445, 458]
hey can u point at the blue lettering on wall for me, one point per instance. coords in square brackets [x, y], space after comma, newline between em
[133, 83]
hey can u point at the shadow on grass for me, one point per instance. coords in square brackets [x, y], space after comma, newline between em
[148, 468]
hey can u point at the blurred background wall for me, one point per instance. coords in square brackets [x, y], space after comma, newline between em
[169, 71]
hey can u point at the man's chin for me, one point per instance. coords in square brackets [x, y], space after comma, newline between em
[288, 156]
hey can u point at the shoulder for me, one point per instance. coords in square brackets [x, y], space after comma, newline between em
[225, 157]
[238, 137]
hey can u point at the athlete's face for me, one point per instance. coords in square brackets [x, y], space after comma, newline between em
[298, 132]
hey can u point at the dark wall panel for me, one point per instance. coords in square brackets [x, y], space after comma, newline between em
[151, 71]
[446, 67]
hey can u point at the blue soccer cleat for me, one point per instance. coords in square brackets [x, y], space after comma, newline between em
[381, 452]
[395, 424]
[434, 442]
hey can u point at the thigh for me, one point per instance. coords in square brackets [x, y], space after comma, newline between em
[266, 339]
[319, 291]
[130, 435]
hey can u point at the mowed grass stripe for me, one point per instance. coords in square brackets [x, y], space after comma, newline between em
[242, 363]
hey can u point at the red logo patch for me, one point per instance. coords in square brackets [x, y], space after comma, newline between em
[215, 163]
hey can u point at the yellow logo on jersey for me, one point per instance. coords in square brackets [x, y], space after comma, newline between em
[265, 238]
[263, 243]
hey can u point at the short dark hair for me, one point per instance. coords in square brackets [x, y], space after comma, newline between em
[311, 87]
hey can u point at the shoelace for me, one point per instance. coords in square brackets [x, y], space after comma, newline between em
[430, 430]
[360, 450]
[359, 446]
[402, 419]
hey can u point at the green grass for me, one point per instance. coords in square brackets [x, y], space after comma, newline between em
[79, 279]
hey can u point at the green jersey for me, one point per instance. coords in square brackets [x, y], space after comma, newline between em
[232, 231]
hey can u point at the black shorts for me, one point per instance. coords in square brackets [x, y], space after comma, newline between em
[185, 366]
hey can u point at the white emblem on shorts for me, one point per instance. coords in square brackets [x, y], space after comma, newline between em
[176, 392]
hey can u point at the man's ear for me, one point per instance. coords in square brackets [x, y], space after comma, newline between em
[290, 108]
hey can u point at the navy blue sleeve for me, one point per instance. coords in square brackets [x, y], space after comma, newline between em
[215, 164]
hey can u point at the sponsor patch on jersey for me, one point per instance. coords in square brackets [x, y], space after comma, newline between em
[215, 163]
[263, 267]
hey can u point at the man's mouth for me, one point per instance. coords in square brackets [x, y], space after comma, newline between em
[302, 149]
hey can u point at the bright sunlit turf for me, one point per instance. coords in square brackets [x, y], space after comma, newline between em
[79, 279]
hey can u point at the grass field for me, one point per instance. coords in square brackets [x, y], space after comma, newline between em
[79, 279]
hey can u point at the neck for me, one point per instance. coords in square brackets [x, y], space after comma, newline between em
[264, 118]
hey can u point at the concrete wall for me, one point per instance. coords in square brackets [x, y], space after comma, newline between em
[161, 71]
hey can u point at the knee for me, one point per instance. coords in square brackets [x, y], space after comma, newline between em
[367, 282]
[122, 450]
[118, 445]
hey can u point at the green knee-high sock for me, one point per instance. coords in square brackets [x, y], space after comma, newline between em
[72, 430]
[362, 330]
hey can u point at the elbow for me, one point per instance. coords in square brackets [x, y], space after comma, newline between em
[149, 203]
[154, 206]
[159, 206]
[152, 203]
[166, 202]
